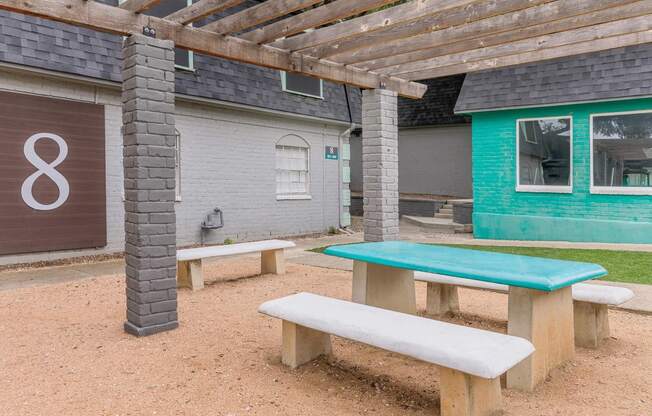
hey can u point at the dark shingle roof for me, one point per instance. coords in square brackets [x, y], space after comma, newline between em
[436, 106]
[40, 43]
[612, 74]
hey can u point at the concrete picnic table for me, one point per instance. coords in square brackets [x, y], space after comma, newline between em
[540, 296]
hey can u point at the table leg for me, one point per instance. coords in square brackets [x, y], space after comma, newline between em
[546, 320]
[384, 287]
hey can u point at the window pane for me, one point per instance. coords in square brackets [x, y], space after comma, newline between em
[622, 150]
[303, 84]
[291, 170]
[544, 152]
[167, 7]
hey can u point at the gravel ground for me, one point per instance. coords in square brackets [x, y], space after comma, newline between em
[63, 352]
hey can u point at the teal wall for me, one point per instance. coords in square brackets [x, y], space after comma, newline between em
[502, 213]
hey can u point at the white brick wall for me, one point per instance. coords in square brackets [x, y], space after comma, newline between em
[227, 162]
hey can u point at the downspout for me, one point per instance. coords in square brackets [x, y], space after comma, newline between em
[341, 164]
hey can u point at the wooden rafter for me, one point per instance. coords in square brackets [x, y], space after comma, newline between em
[611, 35]
[434, 37]
[111, 19]
[536, 21]
[364, 25]
[438, 20]
[319, 16]
[138, 6]
[201, 9]
[264, 12]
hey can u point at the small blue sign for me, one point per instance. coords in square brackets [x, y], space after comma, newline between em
[332, 153]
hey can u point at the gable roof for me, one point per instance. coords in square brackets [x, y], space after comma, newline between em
[436, 106]
[611, 74]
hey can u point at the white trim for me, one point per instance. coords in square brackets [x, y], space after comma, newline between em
[293, 197]
[613, 190]
[521, 107]
[285, 89]
[545, 189]
[564, 189]
[620, 190]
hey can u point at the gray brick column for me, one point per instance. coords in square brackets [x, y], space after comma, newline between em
[380, 164]
[150, 223]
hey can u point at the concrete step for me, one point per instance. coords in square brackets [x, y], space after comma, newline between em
[447, 206]
[441, 225]
[440, 215]
[446, 211]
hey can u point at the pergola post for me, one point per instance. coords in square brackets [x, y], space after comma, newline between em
[380, 164]
[148, 158]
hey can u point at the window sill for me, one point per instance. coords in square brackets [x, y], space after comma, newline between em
[299, 197]
[621, 190]
[303, 94]
[184, 69]
[545, 189]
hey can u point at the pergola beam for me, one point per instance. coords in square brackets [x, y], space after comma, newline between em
[201, 9]
[138, 6]
[535, 21]
[437, 21]
[252, 16]
[319, 16]
[111, 19]
[412, 10]
[597, 43]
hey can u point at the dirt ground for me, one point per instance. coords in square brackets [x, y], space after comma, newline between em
[63, 352]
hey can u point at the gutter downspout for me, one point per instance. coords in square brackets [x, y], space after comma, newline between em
[341, 164]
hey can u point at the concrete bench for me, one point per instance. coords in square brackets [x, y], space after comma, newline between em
[590, 303]
[189, 261]
[471, 360]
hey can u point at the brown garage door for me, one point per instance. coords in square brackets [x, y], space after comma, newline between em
[52, 174]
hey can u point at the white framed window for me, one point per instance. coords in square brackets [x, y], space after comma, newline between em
[544, 155]
[621, 153]
[292, 168]
[302, 85]
[183, 59]
[177, 166]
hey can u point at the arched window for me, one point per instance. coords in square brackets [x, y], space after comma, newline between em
[292, 168]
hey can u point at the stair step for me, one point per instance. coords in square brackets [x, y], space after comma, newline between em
[440, 215]
[446, 211]
[442, 225]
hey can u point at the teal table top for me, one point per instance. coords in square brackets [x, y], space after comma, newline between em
[508, 269]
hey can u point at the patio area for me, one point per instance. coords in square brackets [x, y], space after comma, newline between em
[64, 350]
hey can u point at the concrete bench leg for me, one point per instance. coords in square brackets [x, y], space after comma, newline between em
[384, 287]
[441, 299]
[301, 344]
[189, 274]
[272, 261]
[466, 395]
[546, 320]
[591, 324]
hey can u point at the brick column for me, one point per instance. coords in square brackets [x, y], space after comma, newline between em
[150, 224]
[380, 164]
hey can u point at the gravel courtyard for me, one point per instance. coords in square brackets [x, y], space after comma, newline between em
[63, 352]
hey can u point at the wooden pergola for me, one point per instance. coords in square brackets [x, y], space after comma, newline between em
[381, 46]
[389, 48]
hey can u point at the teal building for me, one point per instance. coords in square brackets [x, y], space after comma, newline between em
[562, 150]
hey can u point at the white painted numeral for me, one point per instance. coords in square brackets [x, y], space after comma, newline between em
[47, 169]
